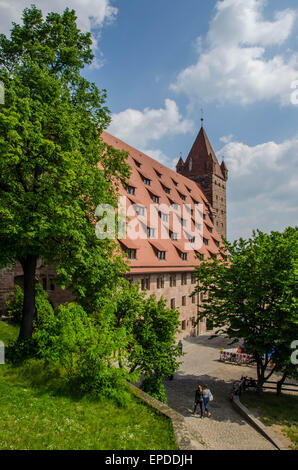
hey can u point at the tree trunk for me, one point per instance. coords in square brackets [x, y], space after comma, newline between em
[29, 269]
[280, 383]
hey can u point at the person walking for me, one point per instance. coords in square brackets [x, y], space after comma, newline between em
[198, 400]
[207, 396]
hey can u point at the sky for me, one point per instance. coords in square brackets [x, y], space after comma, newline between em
[164, 63]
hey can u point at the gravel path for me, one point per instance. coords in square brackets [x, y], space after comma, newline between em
[226, 429]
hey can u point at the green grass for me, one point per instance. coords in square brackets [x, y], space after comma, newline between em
[38, 412]
[8, 332]
[282, 411]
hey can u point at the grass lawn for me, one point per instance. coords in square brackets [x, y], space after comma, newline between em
[273, 410]
[38, 412]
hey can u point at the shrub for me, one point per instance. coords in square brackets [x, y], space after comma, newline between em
[155, 387]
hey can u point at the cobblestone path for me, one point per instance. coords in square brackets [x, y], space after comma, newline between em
[226, 429]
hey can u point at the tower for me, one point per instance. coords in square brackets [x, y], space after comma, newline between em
[202, 167]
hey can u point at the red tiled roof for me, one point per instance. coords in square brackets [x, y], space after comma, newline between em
[147, 260]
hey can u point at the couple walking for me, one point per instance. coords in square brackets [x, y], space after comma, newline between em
[203, 395]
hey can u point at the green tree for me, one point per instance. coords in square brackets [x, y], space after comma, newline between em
[252, 295]
[54, 168]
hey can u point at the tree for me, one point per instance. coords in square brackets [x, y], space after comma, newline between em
[252, 295]
[54, 168]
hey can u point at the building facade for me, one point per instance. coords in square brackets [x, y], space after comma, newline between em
[170, 218]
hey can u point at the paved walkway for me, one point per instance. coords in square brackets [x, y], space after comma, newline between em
[226, 429]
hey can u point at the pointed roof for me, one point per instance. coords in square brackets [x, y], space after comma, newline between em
[200, 154]
[180, 162]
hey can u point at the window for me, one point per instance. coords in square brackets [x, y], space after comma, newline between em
[175, 182]
[204, 216]
[172, 281]
[182, 196]
[164, 217]
[183, 279]
[206, 242]
[150, 232]
[190, 238]
[183, 256]
[160, 282]
[209, 229]
[137, 163]
[140, 210]
[158, 174]
[193, 299]
[130, 190]
[131, 253]
[155, 198]
[184, 301]
[193, 278]
[183, 325]
[145, 283]
[174, 236]
[146, 181]
[52, 285]
[166, 190]
[161, 255]
[173, 303]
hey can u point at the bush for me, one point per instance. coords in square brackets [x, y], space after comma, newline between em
[14, 307]
[155, 387]
[85, 349]
[22, 350]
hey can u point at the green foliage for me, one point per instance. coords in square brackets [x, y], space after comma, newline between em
[155, 387]
[44, 309]
[54, 168]
[85, 350]
[252, 294]
[14, 307]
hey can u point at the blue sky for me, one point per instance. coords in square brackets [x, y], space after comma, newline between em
[163, 60]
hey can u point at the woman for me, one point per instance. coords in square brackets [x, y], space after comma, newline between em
[199, 400]
[207, 396]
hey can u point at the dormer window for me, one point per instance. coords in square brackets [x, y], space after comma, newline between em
[130, 190]
[183, 256]
[182, 197]
[158, 174]
[209, 228]
[131, 253]
[138, 164]
[175, 182]
[146, 181]
[206, 242]
[166, 190]
[155, 199]
[161, 255]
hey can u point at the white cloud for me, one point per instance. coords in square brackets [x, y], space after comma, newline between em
[161, 157]
[263, 186]
[226, 138]
[236, 65]
[90, 13]
[138, 128]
